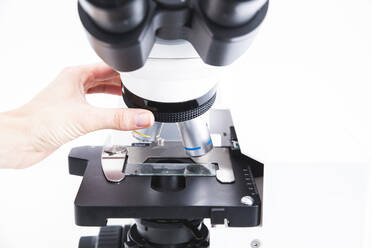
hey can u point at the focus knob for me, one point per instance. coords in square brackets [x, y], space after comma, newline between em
[116, 16]
[110, 237]
[231, 13]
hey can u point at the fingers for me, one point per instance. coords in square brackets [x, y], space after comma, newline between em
[105, 89]
[120, 119]
[90, 76]
[99, 71]
[116, 81]
[102, 80]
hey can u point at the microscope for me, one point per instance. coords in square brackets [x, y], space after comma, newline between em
[188, 166]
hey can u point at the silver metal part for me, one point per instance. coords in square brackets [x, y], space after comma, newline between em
[170, 169]
[175, 151]
[224, 225]
[196, 137]
[220, 122]
[170, 146]
[256, 243]
[235, 145]
[150, 134]
[247, 200]
[113, 160]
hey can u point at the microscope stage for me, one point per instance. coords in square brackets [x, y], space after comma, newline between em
[137, 197]
[229, 196]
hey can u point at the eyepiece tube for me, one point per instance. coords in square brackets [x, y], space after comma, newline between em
[196, 138]
[116, 16]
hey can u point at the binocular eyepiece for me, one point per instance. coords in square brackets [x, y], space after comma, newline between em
[123, 32]
[120, 16]
[116, 16]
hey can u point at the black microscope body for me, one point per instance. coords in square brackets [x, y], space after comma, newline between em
[169, 203]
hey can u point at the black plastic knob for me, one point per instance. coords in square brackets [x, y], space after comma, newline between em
[110, 237]
[231, 13]
[116, 16]
[88, 242]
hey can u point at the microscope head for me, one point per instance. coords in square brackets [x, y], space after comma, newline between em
[169, 52]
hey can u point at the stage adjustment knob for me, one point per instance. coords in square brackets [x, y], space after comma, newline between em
[88, 242]
[110, 237]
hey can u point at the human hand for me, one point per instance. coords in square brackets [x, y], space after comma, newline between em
[60, 113]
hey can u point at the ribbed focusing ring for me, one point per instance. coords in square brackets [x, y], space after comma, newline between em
[172, 112]
[185, 115]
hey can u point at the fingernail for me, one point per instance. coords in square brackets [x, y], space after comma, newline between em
[142, 120]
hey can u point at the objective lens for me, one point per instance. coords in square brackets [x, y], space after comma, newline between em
[150, 134]
[195, 136]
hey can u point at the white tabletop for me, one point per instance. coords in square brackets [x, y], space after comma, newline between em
[301, 103]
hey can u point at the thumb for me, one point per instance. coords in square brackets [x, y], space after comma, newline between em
[120, 119]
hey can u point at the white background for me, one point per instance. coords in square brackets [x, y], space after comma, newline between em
[301, 99]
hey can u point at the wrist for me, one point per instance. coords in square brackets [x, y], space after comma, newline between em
[15, 145]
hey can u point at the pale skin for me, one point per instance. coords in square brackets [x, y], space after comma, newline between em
[60, 113]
